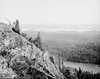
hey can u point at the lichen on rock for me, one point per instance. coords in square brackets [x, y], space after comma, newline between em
[19, 56]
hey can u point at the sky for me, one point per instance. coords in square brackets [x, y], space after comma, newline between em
[51, 12]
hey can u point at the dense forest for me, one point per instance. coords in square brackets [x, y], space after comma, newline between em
[18, 63]
[74, 46]
[87, 52]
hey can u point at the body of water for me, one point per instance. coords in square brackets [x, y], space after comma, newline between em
[84, 66]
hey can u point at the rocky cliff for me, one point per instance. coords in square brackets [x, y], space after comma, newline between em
[21, 59]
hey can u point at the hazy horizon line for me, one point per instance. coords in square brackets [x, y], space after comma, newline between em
[62, 26]
[58, 29]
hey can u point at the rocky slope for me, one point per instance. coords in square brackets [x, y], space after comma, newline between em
[21, 59]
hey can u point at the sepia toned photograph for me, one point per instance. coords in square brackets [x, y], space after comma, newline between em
[49, 39]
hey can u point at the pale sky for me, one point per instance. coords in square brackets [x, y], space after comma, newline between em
[68, 12]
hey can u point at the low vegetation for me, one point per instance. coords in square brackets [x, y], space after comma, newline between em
[73, 73]
[16, 62]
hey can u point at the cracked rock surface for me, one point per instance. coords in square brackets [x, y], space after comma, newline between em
[20, 59]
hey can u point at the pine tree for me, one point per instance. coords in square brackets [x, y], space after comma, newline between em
[31, 39]
[37, 41]
[16, 27]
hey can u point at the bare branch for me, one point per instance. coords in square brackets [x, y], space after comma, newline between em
[8, 21]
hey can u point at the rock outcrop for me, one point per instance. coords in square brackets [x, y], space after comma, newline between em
[20, 58]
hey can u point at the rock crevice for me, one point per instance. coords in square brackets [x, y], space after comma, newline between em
[19, 57]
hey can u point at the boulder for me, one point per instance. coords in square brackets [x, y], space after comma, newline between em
[20, 56]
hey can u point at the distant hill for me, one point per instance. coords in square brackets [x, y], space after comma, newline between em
[67, 35]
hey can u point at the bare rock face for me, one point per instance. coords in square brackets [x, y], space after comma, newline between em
[21, 59]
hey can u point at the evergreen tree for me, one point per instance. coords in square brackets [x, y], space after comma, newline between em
[31, 39]
[37, 41]
[16, 27]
